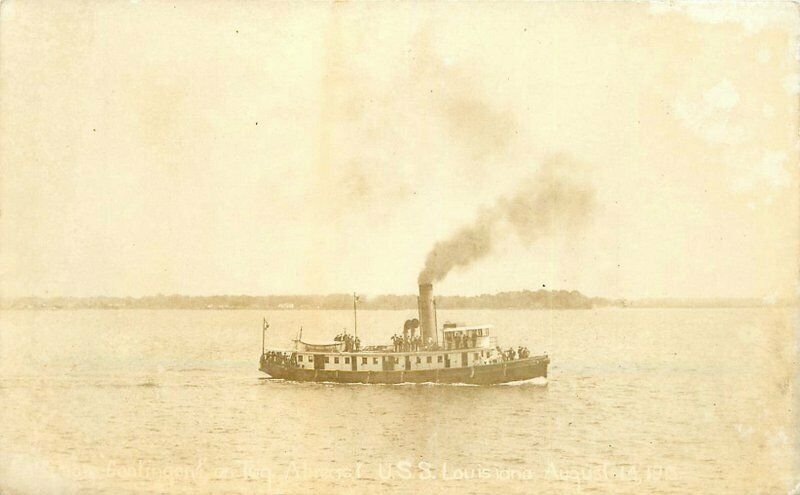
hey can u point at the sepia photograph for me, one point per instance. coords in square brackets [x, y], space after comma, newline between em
[350, 247]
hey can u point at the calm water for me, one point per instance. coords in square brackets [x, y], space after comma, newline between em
[638, 401]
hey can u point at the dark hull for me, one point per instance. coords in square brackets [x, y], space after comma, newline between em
[489, 374]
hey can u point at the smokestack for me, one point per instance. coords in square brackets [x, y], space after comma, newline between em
[426, 313]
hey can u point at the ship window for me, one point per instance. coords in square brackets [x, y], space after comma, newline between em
[327, 359]
[310, 358]
[374, 360]
[397, 360]
[364, 360]
[430, 359]
[347, 360]
[336, 360]
[438, 359]
[300, 358]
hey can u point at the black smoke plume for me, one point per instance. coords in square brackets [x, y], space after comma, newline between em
[554, 199]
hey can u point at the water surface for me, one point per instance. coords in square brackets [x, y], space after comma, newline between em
[638, 401]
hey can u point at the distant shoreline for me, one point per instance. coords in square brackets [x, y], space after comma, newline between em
[516, 300]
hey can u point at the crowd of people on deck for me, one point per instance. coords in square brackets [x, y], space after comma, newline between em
[409, 341]
[351, 343]
[511, 354]
[282, 358]
[458, 340]
[406, 342]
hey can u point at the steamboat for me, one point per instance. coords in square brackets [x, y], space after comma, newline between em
[465, 355]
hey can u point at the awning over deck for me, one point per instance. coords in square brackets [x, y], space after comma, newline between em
[331, 346]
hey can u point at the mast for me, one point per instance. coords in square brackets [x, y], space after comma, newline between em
[355, 315]
[263, 332]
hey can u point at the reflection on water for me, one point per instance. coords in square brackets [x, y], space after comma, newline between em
[655, 401]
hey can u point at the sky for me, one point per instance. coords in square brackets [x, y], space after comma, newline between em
[284, 148]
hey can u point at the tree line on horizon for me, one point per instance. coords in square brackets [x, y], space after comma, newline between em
[525, 299]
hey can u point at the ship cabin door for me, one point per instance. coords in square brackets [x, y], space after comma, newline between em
[447, 360]
[408, 363]
[319, 362]
[354, 363]
[388, 363]
[464, 359]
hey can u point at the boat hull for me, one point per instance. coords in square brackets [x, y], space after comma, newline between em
[488, 374]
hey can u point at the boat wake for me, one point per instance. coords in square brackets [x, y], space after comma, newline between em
[539, 381]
